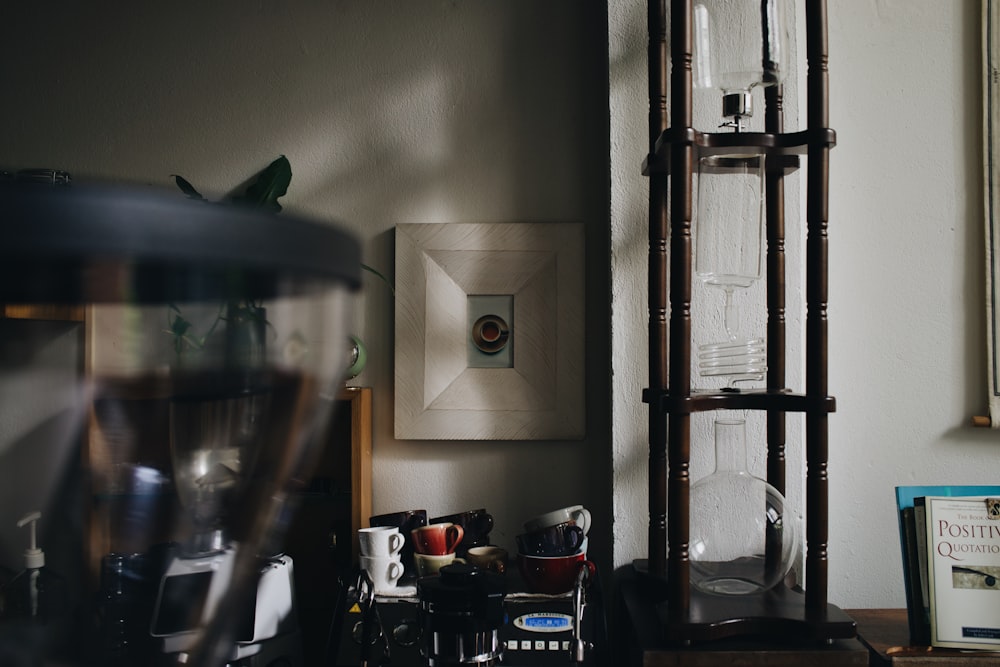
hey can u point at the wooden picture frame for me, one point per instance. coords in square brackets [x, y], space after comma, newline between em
[991, 193]
[441, 393]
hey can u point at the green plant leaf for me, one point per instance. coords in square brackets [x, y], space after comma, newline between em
[270, 184]
[187, 188]
[384, 279]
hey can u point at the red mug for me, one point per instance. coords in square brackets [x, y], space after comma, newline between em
[437, 539]
[553, 574]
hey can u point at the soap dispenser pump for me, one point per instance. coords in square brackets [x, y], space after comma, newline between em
[34, 591]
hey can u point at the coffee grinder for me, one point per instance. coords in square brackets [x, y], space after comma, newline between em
[214, 331]
[218, 430]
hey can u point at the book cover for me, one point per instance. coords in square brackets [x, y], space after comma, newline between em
[963, 569]
[912, 531]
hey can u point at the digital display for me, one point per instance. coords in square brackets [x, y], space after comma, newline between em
[544, 622]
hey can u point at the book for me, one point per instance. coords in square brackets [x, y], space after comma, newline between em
[916, 606]
[911, 533]
[963, 571]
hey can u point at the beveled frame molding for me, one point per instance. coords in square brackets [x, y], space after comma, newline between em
[991, 204]
[438, 396]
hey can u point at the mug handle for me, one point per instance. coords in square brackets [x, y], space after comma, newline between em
[591, 572]
[582, 519]
[396, 541]
[575, 536]
[395, 572]
[453, 536]
[485, 523]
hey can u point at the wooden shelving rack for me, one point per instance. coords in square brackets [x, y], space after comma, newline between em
[685, 615]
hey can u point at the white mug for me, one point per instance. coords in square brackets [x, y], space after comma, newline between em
[383, 571]
[430, 564]
[578, 514]
[380, 541]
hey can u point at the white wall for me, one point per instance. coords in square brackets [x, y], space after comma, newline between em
[907, 326]
[430, 111]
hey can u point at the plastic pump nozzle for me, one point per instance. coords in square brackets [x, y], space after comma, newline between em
[34, 557]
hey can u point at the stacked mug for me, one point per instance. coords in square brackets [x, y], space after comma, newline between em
[553, 549]
[405, 521]
[380, 556]
[434, 546]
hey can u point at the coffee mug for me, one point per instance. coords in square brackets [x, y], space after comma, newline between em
[476, 523]
[578, 514]
[553, 574]
[488, 558]
[406, 520]
[431, 564]
[380, 541]
[561, 539]
[437, 539]
[383, 571]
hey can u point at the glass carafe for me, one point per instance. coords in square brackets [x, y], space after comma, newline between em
[743, 537]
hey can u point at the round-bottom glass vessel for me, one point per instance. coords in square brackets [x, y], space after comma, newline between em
[743, 537]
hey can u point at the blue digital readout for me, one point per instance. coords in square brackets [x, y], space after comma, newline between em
[544, 622]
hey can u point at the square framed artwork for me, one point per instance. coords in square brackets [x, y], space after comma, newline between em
[489, 331]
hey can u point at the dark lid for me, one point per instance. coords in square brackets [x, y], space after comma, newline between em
[462, 599]
[461, 586]
[77, 244]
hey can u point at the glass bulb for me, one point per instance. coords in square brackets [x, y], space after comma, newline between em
[743, 538]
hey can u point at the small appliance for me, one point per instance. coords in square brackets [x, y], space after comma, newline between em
[459, 620]
[266, 631]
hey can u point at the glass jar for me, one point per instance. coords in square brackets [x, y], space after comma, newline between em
[743, 536]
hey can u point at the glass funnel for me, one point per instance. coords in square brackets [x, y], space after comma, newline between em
[743, 537]
[739, 46]
[212, 350]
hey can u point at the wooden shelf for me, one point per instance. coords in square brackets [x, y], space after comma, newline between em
[61, 313]
[886, 634]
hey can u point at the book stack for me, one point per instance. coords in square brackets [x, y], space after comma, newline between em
[950, 542]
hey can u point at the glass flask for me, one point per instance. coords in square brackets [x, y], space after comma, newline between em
[214, 350]
[743, 536]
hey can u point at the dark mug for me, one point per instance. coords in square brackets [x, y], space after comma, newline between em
[560, 540]
[476, 524]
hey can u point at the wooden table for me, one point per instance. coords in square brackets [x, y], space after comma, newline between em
[886, 634]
